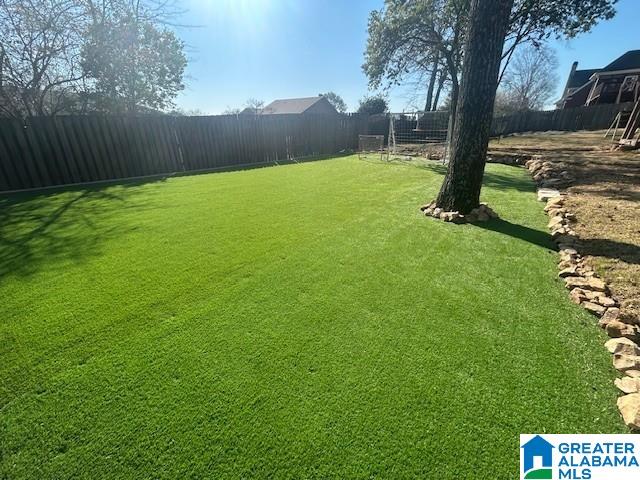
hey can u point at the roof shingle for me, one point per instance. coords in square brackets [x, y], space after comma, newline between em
[291, 105]
[628, 61]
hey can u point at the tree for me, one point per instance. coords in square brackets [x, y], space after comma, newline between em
[530, 81]
[335, 100]
[483, 46]
[136, 62]
[254, 105]
[75, 56]
[425, 38]
[373, 105]
[188, 112]
[232, 111]
[416, 38]
[40, 71]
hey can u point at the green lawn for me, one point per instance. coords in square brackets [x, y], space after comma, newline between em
[301, 321]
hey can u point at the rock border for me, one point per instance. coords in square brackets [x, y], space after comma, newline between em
[481, 213]
[587, 289]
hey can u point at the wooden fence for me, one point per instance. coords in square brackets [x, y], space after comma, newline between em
[596, 117]
[51, 151]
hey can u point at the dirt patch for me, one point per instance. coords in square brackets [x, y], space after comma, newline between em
[604, 193]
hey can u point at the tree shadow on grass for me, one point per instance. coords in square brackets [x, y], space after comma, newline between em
[70, 224]
[597, 247]
[602, 247]
[490, 179]
[530, 235]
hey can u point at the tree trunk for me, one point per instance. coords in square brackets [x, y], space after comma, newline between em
[453, 108]
[436, 99]
[483, 50]
[432, 84]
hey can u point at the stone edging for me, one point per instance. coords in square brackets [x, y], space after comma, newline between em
[479, 214]
[588, 290]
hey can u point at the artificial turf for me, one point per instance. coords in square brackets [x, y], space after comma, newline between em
[300, 321]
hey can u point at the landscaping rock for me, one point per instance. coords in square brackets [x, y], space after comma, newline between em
[555, 222]
[596, 284]
[628, 384]
[591, 295]
[567, 272]
[554, 202]
[622, 346]
[612, 314]
[428, 206]
[629, 406]
[594, 308]
[568, 254]
[585, 283]
[606, 301]
[567, 264]
[545, 194]
[480, 214]
[577, 296]
[616, 329]
[556, 211]
[626, 362]
[559, 231]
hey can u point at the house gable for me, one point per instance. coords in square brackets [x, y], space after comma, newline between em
[299, 106]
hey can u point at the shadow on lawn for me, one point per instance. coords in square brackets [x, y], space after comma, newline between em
[602, 247]
[536, 237]
[490, 179]
[60, 225]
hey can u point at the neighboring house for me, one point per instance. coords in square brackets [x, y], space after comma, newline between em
[300, 106]
[618, 82]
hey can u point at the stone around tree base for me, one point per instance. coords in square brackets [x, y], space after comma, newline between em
[480, 214]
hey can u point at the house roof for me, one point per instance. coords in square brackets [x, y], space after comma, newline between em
[628, 61]
[580, 77]
[291, 105]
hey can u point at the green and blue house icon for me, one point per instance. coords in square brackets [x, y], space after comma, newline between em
[540, 448]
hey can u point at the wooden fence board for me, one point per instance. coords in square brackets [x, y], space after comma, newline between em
[11, 158]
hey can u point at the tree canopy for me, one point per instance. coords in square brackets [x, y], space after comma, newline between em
[373, 105]
[136, 64]
[530, 81]
[74, 56]
[40, 44]
[416, 38]
[335, 100]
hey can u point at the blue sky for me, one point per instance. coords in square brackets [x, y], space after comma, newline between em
[270, 49]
